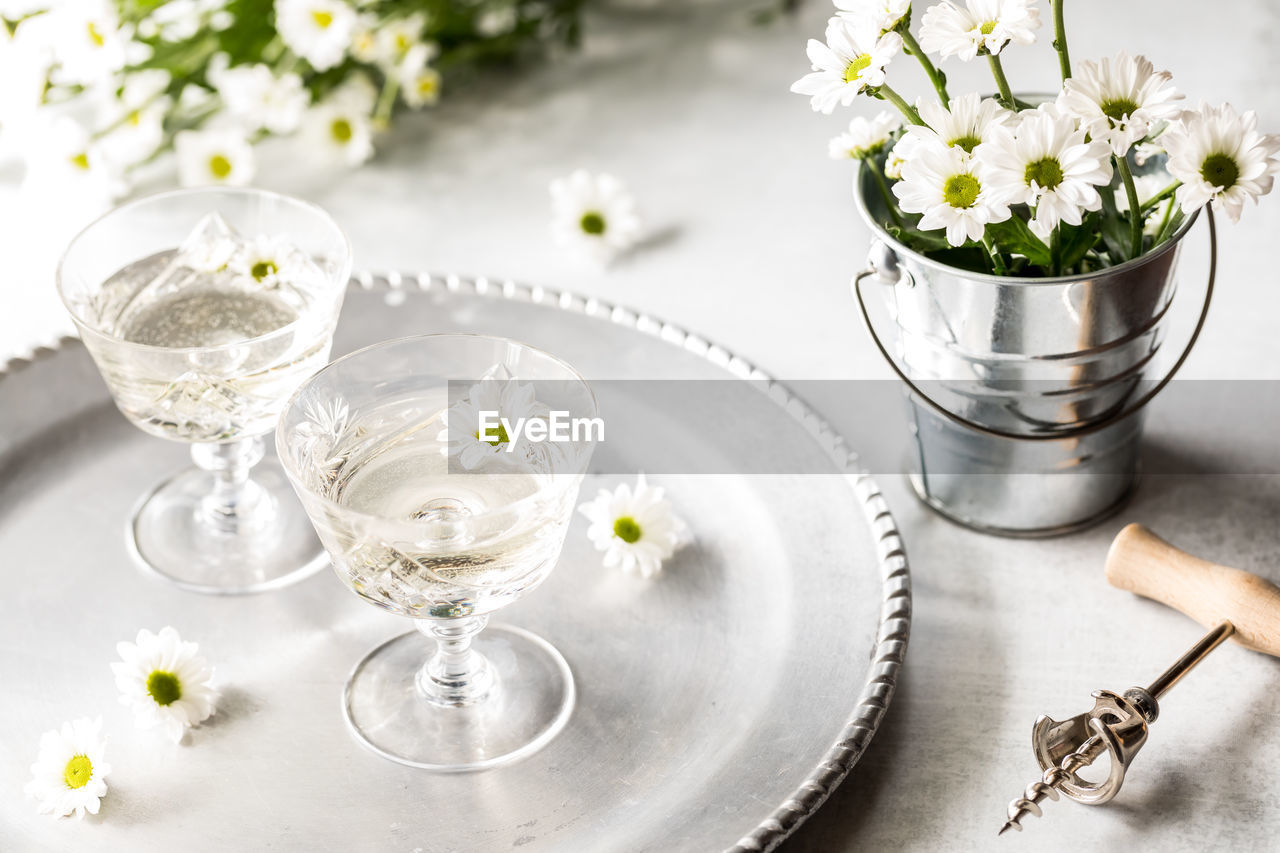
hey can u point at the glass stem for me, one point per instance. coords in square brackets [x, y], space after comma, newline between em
[456, 674]
[236, 504]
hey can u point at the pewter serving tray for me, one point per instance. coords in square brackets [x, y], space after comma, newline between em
[718, 705]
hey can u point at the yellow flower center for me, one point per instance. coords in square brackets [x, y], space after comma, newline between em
[987, 28]
[626, 529]
[853, 69]
[428, 85]
[496, 436]
[135, 118]
[262, 269]
[95, 34]
[1046, 172]
[78, 772]
[219, 166]
[341, 130]
[961, 190]
[164, 687]
[593, 223]
[323, 19]
[1117, 108]
[968, 143]
[80, 161]
[1220, 170]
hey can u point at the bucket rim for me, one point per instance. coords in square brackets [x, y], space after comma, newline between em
[879, 233]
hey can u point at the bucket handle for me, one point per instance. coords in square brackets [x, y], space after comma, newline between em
[1125, 412]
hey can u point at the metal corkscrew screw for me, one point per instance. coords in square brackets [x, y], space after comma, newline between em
[1118, 724]
[1236, 602]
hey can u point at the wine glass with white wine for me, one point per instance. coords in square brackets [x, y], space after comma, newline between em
[438, 500]
[204, 309]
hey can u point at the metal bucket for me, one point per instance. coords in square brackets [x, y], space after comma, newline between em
[1026, 394]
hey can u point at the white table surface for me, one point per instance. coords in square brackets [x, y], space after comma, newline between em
[754, 239]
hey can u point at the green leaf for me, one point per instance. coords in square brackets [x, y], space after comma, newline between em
[1077, 240]
[969, 257]
[1016, 237]
[921, 241]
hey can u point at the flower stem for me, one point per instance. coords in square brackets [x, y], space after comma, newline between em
[1002, 82]
[997, 262]
[897, 100]
[1160, 196]
[935, 77]
[1135, 212]
[878, 174]
[386, 103]
[1060, 39]
[1055, 251]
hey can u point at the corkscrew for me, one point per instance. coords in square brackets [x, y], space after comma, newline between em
[1235, 602]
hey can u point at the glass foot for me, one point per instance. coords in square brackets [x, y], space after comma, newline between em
[528, 703]
[183, 534]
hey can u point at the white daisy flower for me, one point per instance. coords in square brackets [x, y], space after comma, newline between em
[635, 527]
[944, 184]
[136, 117]
[1147, 187]
[340, 129]
[978, 26]
[1118, 100]
[64, 159]
[317, 30]
[85, 39]
[165, 683]
[214, 156]
[70, 774]
[258, 99]
[864, 138]
[1219, 156]
[364, 39]
[967, 123]
[496, 20]
[395, 38]
[853, 59]
[1047, 164]
[883, 15]
[898, 157]
[493, 398]
[419, 83]
[268, 261]
[594, 215]
[1145, 151]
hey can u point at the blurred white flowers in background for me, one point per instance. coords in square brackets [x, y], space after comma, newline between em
[864, 137]
[128, 90]
[594, 216]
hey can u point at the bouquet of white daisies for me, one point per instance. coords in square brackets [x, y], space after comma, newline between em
[94, 90]
[1099, 174]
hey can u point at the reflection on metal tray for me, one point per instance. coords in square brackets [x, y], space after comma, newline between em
[719, 704]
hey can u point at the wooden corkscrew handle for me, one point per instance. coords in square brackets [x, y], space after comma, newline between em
[1141, 562]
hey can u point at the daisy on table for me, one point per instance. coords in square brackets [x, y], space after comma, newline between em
[1047, 164]
[166, 683]
[594, 216]
[635, 527]
[69, 776]
[1220, 157]
[944, 184]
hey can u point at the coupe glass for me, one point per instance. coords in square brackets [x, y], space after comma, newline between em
[204, 310]
[428, 519]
